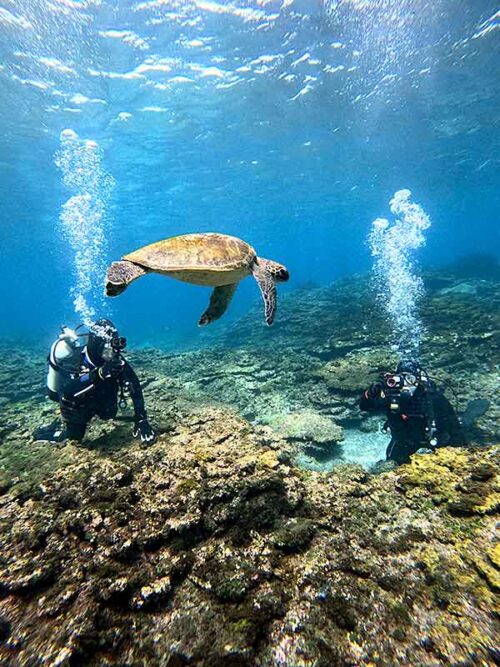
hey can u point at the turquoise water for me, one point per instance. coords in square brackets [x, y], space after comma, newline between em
[289, 123]
[355, 447]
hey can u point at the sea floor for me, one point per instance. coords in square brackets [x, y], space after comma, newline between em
[252, 532]
[356, 447]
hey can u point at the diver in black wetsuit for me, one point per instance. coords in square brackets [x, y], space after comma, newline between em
[91, 381]
[418, 413]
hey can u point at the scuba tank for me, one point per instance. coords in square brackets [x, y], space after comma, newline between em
[64, 361]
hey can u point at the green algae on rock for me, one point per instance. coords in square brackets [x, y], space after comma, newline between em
[209, 549]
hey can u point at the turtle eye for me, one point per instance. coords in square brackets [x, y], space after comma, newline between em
[283, 275]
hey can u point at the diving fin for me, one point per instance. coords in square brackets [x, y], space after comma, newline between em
[53, 432]
[474, 410]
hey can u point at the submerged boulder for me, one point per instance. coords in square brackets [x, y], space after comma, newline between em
[305, 426]
[356, 371]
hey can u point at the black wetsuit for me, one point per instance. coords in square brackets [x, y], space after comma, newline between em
[411, 418]
[88, 395]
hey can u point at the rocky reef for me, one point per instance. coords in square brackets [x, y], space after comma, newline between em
[329, 344]
[210, 548]
[213, 547]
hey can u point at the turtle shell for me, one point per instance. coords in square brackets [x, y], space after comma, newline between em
[193, 253]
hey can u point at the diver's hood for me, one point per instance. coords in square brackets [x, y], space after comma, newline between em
[101, 334]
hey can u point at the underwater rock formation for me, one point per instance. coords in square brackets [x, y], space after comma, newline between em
[306, 426]
[331, 343]
[213, 547]
[328, 345]
[210, 548]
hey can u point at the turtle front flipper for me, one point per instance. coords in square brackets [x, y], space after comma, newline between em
[219, 301]
[120, 275]
[267, 284]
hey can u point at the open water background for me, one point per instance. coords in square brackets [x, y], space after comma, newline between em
[290, 123]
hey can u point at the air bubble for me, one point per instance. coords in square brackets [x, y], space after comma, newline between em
[398, 288]
[83, 220]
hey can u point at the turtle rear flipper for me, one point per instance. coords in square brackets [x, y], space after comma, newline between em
[120, 275]
[219, 301]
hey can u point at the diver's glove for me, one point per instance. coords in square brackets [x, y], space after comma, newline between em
[144, 431]
[110, 369]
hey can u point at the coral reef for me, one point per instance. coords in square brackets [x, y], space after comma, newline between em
[212, 547]
[209, 548]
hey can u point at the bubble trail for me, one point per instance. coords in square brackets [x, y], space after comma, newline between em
[82, 221]
[398, 288]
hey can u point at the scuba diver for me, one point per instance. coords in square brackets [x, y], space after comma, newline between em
[418, 413]
[91, 380]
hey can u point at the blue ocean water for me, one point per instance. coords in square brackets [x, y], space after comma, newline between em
[221, 521]
[290, 123]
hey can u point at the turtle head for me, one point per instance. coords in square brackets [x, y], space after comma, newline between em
[275, 269]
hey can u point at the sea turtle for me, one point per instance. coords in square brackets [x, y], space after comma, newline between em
[215, 260]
